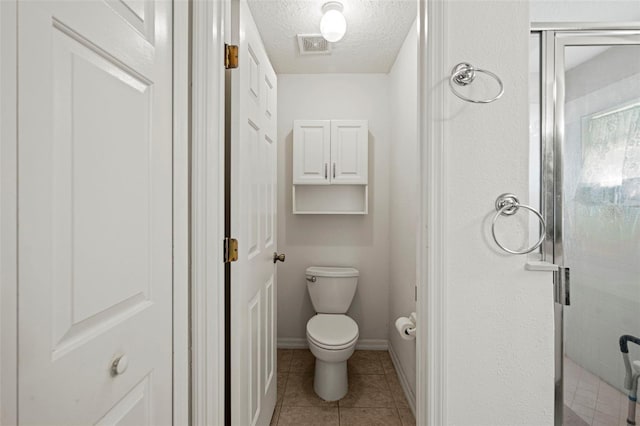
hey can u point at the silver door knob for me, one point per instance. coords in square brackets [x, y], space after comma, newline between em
[119, 365]
[277, 257]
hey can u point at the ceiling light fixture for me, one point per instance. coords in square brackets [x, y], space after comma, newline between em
[333, 25]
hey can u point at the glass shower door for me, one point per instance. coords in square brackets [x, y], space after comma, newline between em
[597, 216]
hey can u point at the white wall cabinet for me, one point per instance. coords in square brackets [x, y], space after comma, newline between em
[330, 166]
[311, 152]
[330, 152]
[349, 152]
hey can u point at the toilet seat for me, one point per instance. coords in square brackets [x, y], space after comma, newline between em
[332, 331]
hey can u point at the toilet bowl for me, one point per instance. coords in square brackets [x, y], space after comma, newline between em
[332, 339]
[331, 334]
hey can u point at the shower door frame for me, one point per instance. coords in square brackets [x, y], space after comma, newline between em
[554, 37]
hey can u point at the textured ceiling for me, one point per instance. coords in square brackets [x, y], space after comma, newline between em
[375, 32]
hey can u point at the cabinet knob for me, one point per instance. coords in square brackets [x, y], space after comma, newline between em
[278, 257]
[119, 365]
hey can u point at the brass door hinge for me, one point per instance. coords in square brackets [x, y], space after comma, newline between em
[230, 250]
[230, 56]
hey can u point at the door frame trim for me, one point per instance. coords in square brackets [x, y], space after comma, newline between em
[553, 38]
[431, 352]
[181, 166]
[8, 213]
[208, 82]
[207, 212]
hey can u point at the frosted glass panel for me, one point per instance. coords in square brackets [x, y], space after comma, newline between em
[602, 205]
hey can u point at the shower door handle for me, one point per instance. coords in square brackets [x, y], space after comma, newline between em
[561, 285]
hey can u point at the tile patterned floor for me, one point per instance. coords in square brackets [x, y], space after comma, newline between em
[594, 402]
[375, 396]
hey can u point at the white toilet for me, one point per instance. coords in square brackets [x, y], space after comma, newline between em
[331, 334]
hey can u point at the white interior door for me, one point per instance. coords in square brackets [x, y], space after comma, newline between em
[95, 212]
[253, 222]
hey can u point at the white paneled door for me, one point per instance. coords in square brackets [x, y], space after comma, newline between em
[253, 223]
[95, 212]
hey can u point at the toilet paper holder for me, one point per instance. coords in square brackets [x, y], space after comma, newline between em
[412, 331]
[406, 326]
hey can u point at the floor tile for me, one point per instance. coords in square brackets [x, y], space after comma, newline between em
[282, 383]
[369, 417]
[276, 414]
[609, 408]
[308, 416]
[585, 413]
[284, 360]
[396, 390]
[365, 362]
[368, 390]
[586, 399]
[385, 360]
[406, 416]
[299, 393]
[605, 419]
[592, 394]
[570, 418]
[302, 362]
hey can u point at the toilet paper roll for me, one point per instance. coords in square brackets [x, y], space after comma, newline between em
[403, 325]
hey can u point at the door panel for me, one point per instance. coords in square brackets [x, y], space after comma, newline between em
[590, 182]
[312, 152]
[95, 203]
[601, 206]
[253, 218]
[132, 410]
[349, 143]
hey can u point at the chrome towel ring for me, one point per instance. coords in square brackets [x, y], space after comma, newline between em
[507, 205]
[463, 74]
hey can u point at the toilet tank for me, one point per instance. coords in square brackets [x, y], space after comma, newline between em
[331, 288]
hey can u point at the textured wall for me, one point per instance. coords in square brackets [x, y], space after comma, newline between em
[499, 323]
[584, 10]
[403, 189]
[337, 240]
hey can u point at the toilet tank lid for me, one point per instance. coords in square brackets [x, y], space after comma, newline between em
[332, 271]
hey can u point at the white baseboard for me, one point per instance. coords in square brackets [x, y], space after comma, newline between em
[363, 344]
[292, 343]
[373, 344]
[411, 397]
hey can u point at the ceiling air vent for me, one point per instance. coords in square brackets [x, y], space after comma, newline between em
[313, 44]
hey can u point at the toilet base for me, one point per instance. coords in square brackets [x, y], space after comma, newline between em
[331, 382]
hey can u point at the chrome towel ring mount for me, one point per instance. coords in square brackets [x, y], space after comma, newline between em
[464, 73]
[508, 205]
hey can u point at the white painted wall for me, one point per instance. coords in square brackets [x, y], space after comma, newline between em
[403, 198]
[498, 318]
[337, 240]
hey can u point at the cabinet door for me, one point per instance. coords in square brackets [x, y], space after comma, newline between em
[349, 152]
[311, 152]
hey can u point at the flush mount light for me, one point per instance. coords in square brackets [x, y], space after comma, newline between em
[333, 25]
